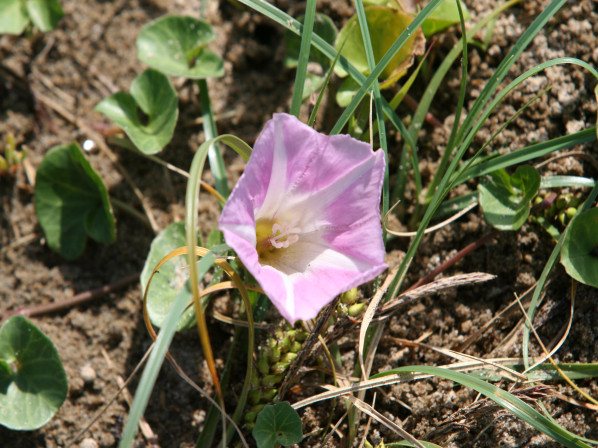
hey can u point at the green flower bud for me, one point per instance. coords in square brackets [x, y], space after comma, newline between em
[280, 367]
[349, 297]
[269, 394]
[274, 354]
[254, 396]
[296, 346]
[288, 357]
[356, 309]
[271, 380]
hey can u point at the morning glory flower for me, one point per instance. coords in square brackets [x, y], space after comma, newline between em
[304, 217]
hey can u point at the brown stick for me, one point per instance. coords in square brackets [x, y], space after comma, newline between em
[75, 300]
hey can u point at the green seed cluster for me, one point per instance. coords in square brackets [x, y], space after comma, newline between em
[562, 209]
[348, 306]
[273, 360]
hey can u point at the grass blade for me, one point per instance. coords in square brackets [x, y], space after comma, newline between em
[511, 403]
[308, 26]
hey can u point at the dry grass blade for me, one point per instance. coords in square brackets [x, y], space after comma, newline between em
[432, 288]
[510, 373]
[430, 229]
[364, 407]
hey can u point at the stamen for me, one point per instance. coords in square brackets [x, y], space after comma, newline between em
[283, 235]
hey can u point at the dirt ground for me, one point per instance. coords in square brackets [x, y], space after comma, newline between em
[92, 54]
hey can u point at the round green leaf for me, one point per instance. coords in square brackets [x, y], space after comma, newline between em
[445, 15]
[277, 424]
[176, 45]
[71, 202]
[13, 16]
[506, 200]
[152, 94]
[171, 281]
[35, 386]
[385, 26]
[45, 14]
[579, 255]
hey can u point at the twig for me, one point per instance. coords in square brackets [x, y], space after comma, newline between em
[451, 261]
[75, 300]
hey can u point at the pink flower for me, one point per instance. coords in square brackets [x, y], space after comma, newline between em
[304, 217]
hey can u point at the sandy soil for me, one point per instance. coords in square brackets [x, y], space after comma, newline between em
[92, 54]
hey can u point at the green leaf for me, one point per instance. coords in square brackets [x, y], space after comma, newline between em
[323, 27]
[385, 26]
[71, 202]
[35, 385]
[277, 424]
[445, 15]
[13, 16]
[172, 279]
[580, 248]
[45, 14]
[152, 94]
[506, 200]
[176, 45]
[346, 92]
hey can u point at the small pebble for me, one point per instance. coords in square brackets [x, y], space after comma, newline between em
[88, 443]
[87, 374]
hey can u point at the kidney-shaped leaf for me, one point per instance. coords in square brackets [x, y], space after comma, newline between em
[71, 202]
[445, 15]
[277, 424]
[506, 200]
[45, 14]
[580, 248]
[176, 45]
[13, 16]
[385, 26]
[171, 280]
[153, 95]
[35, 386]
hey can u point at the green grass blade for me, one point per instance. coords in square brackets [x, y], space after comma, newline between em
[430, 92]
[375, 73]
[531, 152]
[308, 26]
[566, 181]
[517, 81]
[210, 132]
[296, 27]
[504, 67]
[511, 403]
[367, 43]
[460, 102]
[156, 359]
[314, 112]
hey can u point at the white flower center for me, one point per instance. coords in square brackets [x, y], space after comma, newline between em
[283, 235]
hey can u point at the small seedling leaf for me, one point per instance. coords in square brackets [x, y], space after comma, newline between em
[34, 386]
[71, 202]
[45, 14]
[176, 45]
[506, 200]
[152, 95]
[323, 27]
[13, 16]
[277, 424]
[445, 15]
[171, 281]
[385, 26]
[579, 255]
